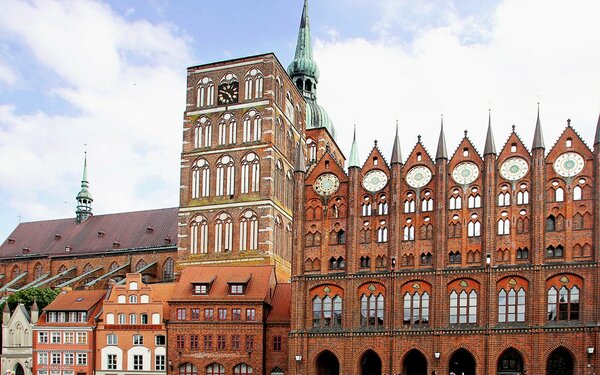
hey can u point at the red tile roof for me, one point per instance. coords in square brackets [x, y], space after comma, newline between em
[98, 234]
[282, 304]
[261, 283]
[76, 300]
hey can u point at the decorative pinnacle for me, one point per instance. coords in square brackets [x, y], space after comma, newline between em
[442, 152]
[396, 154]
[353, 161]
[538, 138]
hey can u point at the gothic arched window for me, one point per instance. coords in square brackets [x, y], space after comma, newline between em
[227, 129]
[200, 179]
[168, 269]
[225, 176]
[249, 231]
[199, 235]
[202, 133]
[463, 303]
[250, 173]
[223, 233]
[205, 93]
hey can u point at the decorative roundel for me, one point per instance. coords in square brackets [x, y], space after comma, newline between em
[326, 184]
[569, 164]
[514, 168]
[465, 173]
[374, 180]
[418, 177]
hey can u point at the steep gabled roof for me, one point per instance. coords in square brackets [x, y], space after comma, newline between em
[76, 300]
[98, 234]
[282, 304]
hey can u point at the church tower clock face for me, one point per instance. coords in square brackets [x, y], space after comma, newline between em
[417, 177]
[514, 168]
[326, 184]
[569, 164]
[374, 180]
[465, 173]
[228, 93]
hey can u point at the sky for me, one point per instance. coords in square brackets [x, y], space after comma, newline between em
[109, 77]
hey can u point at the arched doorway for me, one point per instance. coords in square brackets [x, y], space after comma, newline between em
[414, 363]
[560, 362]
[370, 363]
[462, 363]
[510, 363]
[19, 370]
[328, 364]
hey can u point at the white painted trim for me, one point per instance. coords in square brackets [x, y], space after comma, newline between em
[221, 67]
[236, 205]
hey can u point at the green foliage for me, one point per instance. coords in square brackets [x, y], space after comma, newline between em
[43, 297]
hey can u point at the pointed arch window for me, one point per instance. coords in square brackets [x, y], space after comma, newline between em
[227, 129]
[463, 307]
[188, 369]
[511, 305]
[250, 173]
[37, 271]
[382, 205]
[61, 269]
[577, 193]
[113, 266]
[409, 233]
[140, 265]
[382, 232]
[200, 179]
[205, 94]
[215, 369]
[252, 126]
[416, 307]
[327, 311]
[503, 227]
[523, 197]
[366, 206]
[455, 202]
[225, 176]
[504, 199]
[474, 201]
[223, 233]
[559, 195]
[409, 205]
[249, 231]
[242, 369]
[474, 229]
[88, 268]
[312, 150]
[202, 133]
[550, 223]
[168, 269]
[563, 303]
[427, 204]
[372, 309]
[199, 235]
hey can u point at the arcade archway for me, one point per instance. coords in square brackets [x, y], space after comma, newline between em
[327, 364]
[560, 362]
[370, 363]
[510, 362]
[414, 363]
[462, 363]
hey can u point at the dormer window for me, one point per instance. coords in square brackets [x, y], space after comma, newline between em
[201, 289]
[236, 288]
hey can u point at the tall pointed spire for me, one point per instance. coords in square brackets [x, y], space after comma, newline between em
[353, 161]
[490, 145]
[84, 197]
[597, 138]
[442, 152]
[538, 137]
[300, 165]
[303, 69]
[396, 153]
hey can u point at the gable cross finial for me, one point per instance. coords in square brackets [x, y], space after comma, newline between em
[419, 138]
[568, 122]
[466, 131]
[513, 128]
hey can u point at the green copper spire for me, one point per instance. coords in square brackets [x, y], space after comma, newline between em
[84, 197]
[304, 67]
[353, 161]
[305, 74]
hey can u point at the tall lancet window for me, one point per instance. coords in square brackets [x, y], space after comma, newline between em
[250, 173]
[223, 233]
[249, 231]
[200, 179]
[199, 235]
[225, 176]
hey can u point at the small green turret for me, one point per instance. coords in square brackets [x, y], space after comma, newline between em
[84, 197]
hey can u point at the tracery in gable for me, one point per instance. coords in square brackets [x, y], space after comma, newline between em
[313, 237]
[426, 229]
[314, 210]
[364, 236]
[337, 208]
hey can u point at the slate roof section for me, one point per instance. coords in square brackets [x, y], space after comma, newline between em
[260, 287]
[98, 234]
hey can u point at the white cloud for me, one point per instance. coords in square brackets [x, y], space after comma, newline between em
[124, 81]
[7, 75]
[528, 50]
